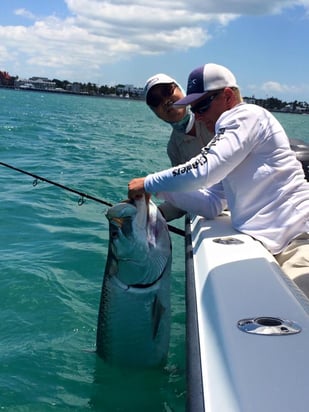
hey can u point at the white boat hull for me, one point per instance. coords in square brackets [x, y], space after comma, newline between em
[230, 370]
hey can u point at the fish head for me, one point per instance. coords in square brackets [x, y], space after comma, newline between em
[140, 245]
[127, 234]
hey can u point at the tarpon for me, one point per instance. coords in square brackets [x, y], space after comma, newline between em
[135, 314]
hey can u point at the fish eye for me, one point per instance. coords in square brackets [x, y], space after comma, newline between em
[114, 231]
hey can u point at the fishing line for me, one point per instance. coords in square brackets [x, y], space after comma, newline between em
[82, 195]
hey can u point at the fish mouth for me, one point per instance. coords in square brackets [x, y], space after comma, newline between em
[121, 211]
[120, 225]
[120, 219]
[117, 221]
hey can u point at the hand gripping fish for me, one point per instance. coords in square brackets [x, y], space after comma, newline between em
[135, 314]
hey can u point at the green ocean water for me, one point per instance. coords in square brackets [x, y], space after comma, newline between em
[53, 251]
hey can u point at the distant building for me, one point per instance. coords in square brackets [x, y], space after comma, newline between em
[73, 87]
[35, 83]
[251, 100]
[129, 90]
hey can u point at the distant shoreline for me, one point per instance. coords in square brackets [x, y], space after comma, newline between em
[110, 96]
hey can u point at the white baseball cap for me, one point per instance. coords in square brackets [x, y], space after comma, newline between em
[205, 79]
[159, 78]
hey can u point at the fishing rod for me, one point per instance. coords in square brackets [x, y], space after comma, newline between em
[82, 195]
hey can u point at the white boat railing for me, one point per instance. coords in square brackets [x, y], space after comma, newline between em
[247, 325]
[195, 396]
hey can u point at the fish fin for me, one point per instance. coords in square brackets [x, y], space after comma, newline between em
[159, 261]
[157, 312]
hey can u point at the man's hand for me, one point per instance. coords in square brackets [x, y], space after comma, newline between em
[136, 188]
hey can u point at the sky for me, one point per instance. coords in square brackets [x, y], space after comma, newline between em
[263, 42]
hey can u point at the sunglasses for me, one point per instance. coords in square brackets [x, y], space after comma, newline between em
[205, 104]
[158, 94]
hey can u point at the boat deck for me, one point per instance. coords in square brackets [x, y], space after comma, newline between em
[233, 283]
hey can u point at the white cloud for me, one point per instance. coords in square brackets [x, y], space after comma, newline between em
[24, 13]
[101, 32]
[273, 88]
[242, 7]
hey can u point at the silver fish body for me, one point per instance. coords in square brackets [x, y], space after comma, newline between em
[135, 313]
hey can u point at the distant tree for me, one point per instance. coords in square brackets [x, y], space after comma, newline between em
[273, 103]
[58, 82]
[6, 79]
[294, 105]
[106, 90]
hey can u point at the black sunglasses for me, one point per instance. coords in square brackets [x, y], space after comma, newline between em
[205, 104]
[159, 93]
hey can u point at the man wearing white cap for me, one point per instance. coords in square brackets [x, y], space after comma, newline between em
[264, 184]
[187, 138]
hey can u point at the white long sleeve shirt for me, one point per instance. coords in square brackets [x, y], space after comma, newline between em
[182, 147]
[262, 180]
